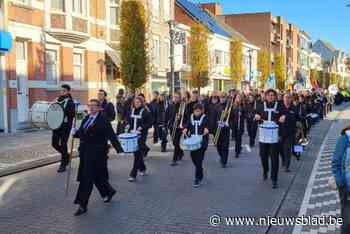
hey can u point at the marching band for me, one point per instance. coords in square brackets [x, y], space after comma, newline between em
[280, 120]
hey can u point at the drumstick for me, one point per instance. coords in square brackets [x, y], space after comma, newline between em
[70, 157]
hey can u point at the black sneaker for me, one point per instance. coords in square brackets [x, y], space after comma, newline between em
[61, 169]
[265, 176]
[173, 164]
[274, 185]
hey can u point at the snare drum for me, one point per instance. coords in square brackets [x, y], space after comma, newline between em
[192, 143]
[128, 141]
[47, 115]
[268, 132]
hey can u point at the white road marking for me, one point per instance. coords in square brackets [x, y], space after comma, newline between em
[6, 186]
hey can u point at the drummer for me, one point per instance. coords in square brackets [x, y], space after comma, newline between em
[60, 136]
[270, 110]
[198, 125]
[139, 120]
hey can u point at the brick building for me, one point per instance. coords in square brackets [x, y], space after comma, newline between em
[74, 42]
[272, 33]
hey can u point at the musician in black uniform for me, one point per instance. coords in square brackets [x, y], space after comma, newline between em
[161, 121]
[139, 120]
[60, 136]
[108, 107]
[270, 151]
[287, 130]
[237, 123]
[249, 111]
[223, 142]
[173, 119]
[153, 106]
[121, 112]
[94, 133]
[198, 118]
[189, 106]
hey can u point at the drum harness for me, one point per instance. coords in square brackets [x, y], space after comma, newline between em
[64, 103]
[270, 110]
[136, 117]
[197, 123]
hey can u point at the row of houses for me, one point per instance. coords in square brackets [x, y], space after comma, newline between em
[77, 42]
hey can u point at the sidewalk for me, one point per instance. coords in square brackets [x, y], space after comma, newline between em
[26, 150]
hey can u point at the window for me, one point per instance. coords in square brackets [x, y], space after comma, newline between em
[51, 65]
[78, 67]
[57, 5]
[167, 53]
[218, 57]
[184, 54]
[114, 12]
[156, 52]
[20, 50]
[156, 9]
[77, 6]
[22, 1]
[226, 59]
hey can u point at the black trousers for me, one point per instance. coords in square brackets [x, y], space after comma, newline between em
[223, 145]
[197, 159]
[178, 152]
[269, 152]
[139, 164]
[238, 141]
[252, 128]
[86, 186]
[163, 136]
[345, 210]
[59, 142]
[155, 133]
[286, 146]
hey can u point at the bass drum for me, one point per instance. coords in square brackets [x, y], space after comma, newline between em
[47, 115]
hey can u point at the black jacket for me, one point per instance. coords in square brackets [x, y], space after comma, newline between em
[191, 129]
[213, 113]
[287, 129]
[145, 122]
[68, 106]
[93, 147]
[108, 110]
[264, 114]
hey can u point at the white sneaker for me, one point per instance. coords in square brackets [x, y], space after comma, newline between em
[131, 179]
[143, 173]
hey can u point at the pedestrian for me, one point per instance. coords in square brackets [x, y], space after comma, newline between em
[94, 133]
[340, 167]
[269, 110]
[198, 125]
[60, 136]
[139, 120]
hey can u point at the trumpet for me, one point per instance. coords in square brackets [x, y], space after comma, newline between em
[178, 119]
[225, 113]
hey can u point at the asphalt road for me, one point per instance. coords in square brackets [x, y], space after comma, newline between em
[163, 202]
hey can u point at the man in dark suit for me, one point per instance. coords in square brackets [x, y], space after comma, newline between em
[94, 133]
[108, 109]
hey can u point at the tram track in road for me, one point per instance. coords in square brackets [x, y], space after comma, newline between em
[277, 212]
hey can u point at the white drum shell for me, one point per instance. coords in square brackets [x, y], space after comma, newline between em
[268, 132]
[47, 115]
[192, 143]
[128, 141]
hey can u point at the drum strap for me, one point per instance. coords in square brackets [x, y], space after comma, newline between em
[136, 117]
[270, 110]
[197, 123]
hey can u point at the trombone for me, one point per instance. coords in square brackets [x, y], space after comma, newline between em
[226, 112]
[178, 119]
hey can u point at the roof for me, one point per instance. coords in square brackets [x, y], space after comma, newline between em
[202, 16]
[328, 45]
[230, 30]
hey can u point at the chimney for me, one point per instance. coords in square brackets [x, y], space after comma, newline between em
[213, 7]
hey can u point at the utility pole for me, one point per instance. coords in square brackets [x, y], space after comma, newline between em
[171, 24]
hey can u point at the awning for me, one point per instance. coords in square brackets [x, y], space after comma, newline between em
[114, 55]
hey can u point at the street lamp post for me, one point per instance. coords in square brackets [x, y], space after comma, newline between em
[172, 25]
[250, 52]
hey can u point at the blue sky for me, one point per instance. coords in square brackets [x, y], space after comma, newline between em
[325, 19]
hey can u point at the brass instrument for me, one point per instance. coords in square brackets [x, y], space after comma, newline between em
[178, 119]
[226, 112]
